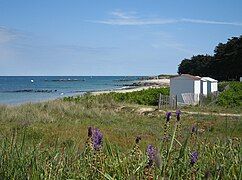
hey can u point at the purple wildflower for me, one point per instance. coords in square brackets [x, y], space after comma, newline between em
[168, 116]
[178, 114]
[194, 157]
[97, 138]
[151, 152]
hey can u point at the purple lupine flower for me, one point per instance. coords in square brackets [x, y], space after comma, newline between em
[178, 114]
[97, 138]
[194, 157]
[168, 116]
[151, 152]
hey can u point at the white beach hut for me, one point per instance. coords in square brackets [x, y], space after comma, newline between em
[210, 85]
[186, 87]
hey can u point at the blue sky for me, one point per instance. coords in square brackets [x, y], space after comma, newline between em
[118, 37]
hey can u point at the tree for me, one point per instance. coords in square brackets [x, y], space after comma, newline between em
[228, 59]
[226, 64]
[197, 65]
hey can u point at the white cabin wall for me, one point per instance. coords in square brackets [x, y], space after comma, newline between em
[197, 90]
[214, 87]
[181, 85]
[197, 87]
[204, 87]
[205, 92]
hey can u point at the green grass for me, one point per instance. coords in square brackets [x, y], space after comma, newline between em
[213, 109]
[47, 141]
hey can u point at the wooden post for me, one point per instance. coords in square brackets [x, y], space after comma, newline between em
[159, 103]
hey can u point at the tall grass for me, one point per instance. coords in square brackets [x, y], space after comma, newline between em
[22, 160]
[49, 141]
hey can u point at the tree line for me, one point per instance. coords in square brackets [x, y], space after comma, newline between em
[224, 65]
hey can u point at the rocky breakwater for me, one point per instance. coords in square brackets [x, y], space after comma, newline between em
[32, 91]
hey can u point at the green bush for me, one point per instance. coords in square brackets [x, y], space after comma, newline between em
[231, 97]
[144, 97]
[222, 85]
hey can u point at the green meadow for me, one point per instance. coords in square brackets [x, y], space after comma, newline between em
[49, 140]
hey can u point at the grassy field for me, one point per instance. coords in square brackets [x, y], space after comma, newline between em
[49, 140]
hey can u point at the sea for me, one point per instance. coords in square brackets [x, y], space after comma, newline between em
[16, 90]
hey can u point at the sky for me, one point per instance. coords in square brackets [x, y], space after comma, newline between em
[104, 37]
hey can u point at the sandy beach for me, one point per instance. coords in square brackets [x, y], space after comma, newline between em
[143, 84]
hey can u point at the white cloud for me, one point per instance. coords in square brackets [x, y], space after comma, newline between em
[130, 18]
[123, 15]
[135, 21]
[200, 21]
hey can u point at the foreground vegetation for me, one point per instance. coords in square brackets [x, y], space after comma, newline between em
[144, 97]
[50, 140]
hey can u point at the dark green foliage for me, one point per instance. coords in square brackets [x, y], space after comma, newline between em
[197, 65]
[228, 60]
[144, 97]
[232, 96]
[226, 64]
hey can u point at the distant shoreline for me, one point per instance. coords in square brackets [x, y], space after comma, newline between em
[141, 85]
[135, 85]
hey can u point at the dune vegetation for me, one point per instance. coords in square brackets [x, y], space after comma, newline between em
[100, 137]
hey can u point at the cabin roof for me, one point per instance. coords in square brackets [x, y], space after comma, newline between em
[208, 79]
[189, 76]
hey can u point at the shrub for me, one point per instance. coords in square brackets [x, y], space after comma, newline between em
[222, 85]
[231, 97]
[143, 97]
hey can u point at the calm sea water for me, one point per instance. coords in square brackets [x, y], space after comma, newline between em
[23, 89]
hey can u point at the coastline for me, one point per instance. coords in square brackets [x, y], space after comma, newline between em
[124, 90]
[138, 85]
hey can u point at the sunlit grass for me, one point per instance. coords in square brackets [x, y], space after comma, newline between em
[47, 141]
